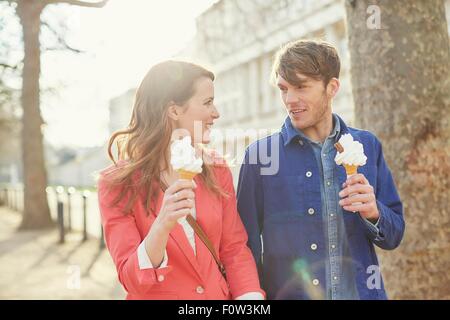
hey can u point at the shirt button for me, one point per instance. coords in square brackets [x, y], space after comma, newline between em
[200, 290]
[160, 278]
[328, 183]
[333, 246]
[331, 214]
[309, 174]
[315, 282]
[334, 278]
[314, 246]
[311, 211]
[300, 142]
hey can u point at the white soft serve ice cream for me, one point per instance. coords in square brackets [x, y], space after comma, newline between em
[353, 152]
[183, 156]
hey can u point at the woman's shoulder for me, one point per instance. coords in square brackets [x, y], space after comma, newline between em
[220, 166]
[106, 175]
[217, 161]
[214, 158]
[113, 167]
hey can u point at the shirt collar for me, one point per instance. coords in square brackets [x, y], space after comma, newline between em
[290, 133]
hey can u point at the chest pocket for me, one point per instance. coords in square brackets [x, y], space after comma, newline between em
[285, 197]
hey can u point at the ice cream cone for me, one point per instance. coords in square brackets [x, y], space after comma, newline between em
[187, 175]
[350, 169]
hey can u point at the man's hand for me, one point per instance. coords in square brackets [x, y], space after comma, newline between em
[358, 196]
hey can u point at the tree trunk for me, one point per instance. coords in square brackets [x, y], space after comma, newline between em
[36, 213]
[400, 78]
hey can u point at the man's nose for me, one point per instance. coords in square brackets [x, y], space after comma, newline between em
[291, 97]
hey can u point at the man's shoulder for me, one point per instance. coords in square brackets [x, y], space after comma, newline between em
[265, 141]
[364, 136]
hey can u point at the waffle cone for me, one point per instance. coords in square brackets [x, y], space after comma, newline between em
[186, 175]
[350, 169]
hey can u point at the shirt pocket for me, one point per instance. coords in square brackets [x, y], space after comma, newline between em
[285, 198]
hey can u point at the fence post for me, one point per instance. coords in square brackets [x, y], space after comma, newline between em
[70, 191]
[85, 196]
[60, 211]
[8, 203]
[5, 200]
[21, 199]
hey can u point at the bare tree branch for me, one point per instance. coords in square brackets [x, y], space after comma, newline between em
[64, 46]
[98, 4]
[8, 66]
[61, 40]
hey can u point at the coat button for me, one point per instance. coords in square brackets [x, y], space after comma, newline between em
[200, 290]
[160, 278]
[314, 246]
[315, 282]
[309, 174]
[311, 211]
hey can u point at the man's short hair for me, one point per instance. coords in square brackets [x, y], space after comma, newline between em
[312, 58]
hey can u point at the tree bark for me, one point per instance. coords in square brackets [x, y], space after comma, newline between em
[400, 78]
[36, 213]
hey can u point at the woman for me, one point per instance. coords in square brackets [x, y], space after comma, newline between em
[143, 202]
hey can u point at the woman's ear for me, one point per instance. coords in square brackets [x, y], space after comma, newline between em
[173, 111]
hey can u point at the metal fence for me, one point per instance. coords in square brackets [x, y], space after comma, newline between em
[74, 210]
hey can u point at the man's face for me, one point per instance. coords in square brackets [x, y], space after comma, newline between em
[308, 102]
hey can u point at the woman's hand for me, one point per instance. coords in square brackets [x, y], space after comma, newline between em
[177, 203]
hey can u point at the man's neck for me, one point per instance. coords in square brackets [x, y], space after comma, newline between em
[321, 130]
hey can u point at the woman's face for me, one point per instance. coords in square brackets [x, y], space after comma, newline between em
[197, 115]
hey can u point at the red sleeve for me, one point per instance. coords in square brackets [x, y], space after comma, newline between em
[237, 258]
[122, 239]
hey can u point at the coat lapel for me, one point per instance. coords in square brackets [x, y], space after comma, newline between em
[202, 207]
[179, 237]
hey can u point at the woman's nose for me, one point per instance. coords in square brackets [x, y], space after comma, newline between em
[215, 113]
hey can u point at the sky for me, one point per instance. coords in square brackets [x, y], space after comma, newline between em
[120, 42]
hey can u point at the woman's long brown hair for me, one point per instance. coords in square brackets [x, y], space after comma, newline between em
[144, 144]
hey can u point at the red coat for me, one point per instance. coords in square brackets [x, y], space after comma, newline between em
[187, 276]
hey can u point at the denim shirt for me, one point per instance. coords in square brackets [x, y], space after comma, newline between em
[293, 220]
[340, 276]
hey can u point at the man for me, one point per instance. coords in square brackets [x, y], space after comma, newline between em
[312, 231]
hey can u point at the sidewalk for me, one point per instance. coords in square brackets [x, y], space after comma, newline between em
[34, 266]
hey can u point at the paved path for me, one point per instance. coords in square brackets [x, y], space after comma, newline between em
[34, 266]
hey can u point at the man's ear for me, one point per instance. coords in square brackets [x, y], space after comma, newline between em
[173, 111]
[333, 87]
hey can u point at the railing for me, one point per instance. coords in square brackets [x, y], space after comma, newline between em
[73, 209]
